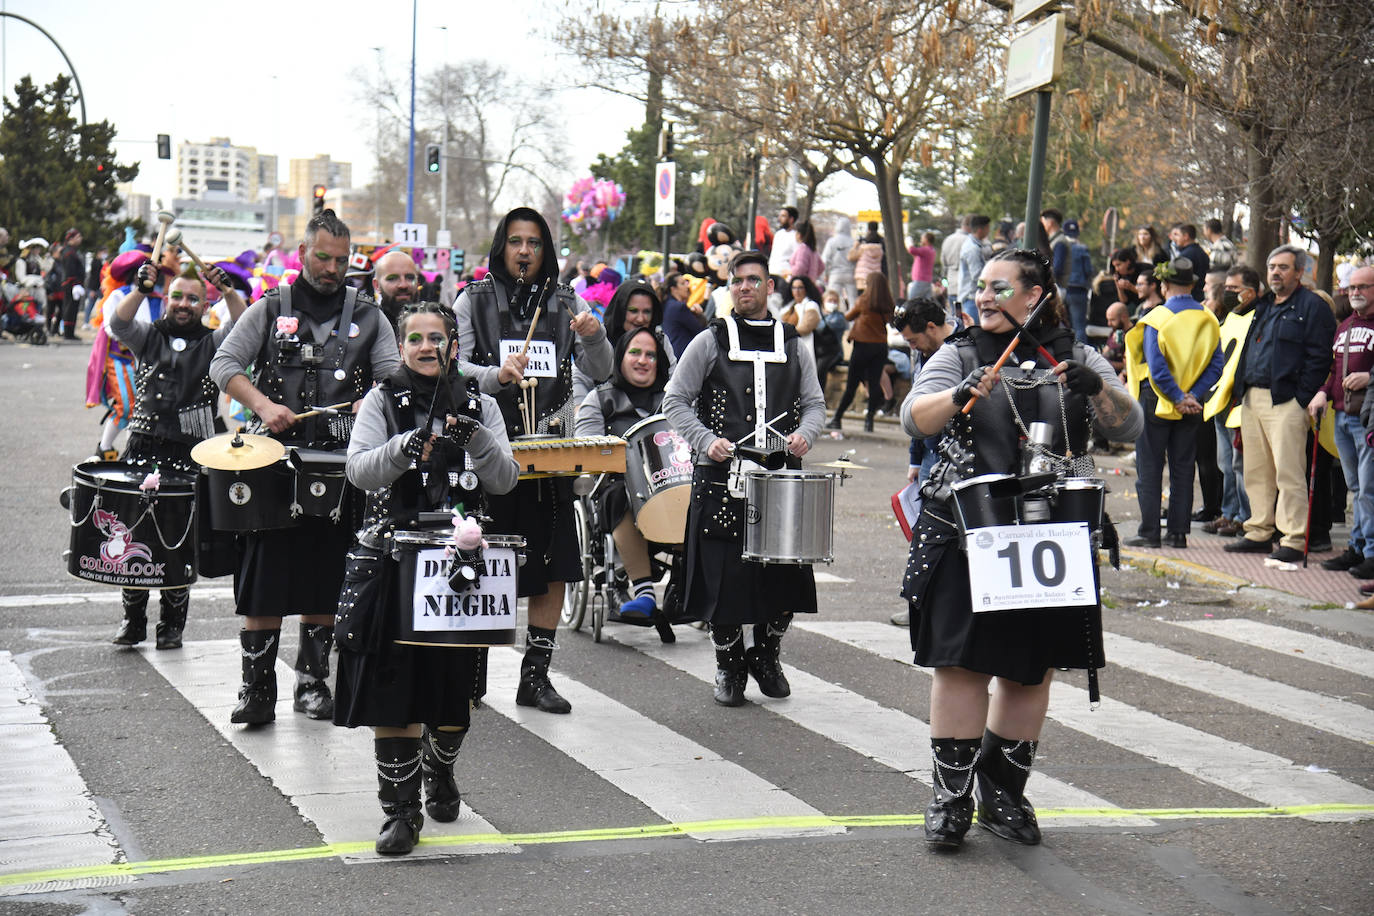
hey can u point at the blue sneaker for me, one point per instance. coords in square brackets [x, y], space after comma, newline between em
[641, 608]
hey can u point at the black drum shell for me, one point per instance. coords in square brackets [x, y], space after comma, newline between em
[976, 507]
[1080, 499]
[256, 500]
[160, 524]
[406, 551]
[320, 482]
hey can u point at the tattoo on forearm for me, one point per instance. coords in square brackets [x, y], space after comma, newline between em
[1112, 407]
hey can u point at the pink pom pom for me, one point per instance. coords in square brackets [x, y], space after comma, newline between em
[151, 482]
[288, 324]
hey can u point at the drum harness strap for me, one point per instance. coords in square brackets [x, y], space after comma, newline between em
[330, 329]
[763, 429]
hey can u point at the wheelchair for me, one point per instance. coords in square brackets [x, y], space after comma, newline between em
[605, 585]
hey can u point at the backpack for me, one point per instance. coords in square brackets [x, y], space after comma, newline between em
[53, 281]
[1080, 266]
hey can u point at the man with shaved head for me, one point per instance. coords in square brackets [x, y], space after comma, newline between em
[396, 280]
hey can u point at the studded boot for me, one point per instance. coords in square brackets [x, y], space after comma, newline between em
[438, 750]
[398, 789]
[312, 671]
[258, 695]
[535, 689]
[133, 629]
[951, 810]
[732, 670]
[1003, 768]
[172, 619]
[763, 657]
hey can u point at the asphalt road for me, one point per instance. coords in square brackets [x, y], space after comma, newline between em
[1221, 718]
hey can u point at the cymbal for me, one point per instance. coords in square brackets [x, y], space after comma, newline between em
[237, 452]
[843, 465]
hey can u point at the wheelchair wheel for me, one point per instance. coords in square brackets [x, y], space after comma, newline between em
[38, 337]
[575, 594]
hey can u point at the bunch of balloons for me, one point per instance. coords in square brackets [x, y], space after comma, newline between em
[592, 203]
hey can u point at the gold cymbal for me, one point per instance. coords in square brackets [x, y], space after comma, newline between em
[237, 452]
[843, 465]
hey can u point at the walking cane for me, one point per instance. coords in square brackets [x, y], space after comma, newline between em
[1311, 485]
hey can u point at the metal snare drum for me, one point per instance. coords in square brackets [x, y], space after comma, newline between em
[123, 535]
[986, 500]
[1080, 499]
[790, 517]
[658, 479]
[432, 614]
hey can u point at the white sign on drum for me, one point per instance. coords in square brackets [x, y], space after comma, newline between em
[489, 605]
[1030, 566]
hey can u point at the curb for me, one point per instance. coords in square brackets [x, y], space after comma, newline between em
[1193, 573]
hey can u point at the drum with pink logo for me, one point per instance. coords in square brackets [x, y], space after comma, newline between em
[132, 526]
[658, 478]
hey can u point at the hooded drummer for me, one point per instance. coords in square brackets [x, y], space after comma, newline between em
[173, 409]
[534, 390]
[314, 342]
[746, 379]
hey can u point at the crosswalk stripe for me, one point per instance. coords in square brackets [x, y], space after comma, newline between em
[1292, 643]
[105, 596]
[888, 736]
[1305, 707]
[1264, 777]
[676, 778]
[48, 819]
[328, 773]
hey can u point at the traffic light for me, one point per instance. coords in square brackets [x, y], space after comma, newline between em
[432, 157]
[319, 197]
[164, 146]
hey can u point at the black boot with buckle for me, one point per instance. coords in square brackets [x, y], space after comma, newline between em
[258, 695]
[732, 669]
[312, 672]
[763, 657]
[951, 811]
[1002, 771]
[438, 750]
[398, 789]
[172, 619]
[535, 688]
[133, 629]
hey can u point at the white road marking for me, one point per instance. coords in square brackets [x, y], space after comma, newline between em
[1291, 643]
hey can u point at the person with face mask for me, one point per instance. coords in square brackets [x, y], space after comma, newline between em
[173, 409]
[311, 343]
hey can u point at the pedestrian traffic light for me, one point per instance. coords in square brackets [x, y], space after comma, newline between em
[319, 197]
[164, 146]
[432, 157]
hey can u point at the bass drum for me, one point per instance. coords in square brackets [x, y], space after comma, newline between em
[433, 614]
[127, 536]
[658, 478]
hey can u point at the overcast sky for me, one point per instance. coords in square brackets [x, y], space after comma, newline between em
[276, 75]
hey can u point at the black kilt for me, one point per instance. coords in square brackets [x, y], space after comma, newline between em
[297, 570]
[541, 511]
[721, 587]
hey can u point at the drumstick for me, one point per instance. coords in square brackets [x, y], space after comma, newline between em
[165, 219]
[319, 410]
[175, 238]
[1039, 347]
[530, 336]
[1011, 348]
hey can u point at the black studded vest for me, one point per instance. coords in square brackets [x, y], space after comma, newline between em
[175, 397]
[727, 403]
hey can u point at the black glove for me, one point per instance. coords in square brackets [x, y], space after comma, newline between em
[964, 393]
[146, 279]
[415, 444]
[461, 430]
[1080, 379]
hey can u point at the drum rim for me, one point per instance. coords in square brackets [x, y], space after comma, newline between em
[980, 479]
[652, 418]
[171, 483]
[1081, 483]
[410, 537]
[790, 474]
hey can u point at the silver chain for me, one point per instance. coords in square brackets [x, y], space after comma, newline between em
[413, 763]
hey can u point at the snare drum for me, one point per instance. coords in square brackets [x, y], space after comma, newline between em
[985, 501]
[1080, 499]
[433, 614]
[790, 516]
[254, 500]
[125, 536]
[658, 478]
[319, 484]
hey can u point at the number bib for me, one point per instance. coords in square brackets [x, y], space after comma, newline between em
[1013, 567]
[542, 353]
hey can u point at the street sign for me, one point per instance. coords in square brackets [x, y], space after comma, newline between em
[443, 238]
[1036, 56]
[414, 234]
[1024, 9]
[665, 193]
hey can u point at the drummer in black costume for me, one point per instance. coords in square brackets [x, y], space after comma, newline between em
[494, 316]
[748, 380]
[341, 344]
[634, 392]
[994, 740]
[634, 305]
[174, 408]
[417, 699]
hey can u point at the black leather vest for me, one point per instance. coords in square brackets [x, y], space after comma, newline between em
[174, 395]
[726, 404]
[619, 412]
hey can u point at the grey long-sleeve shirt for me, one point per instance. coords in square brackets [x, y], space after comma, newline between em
[680, 397]
[375, 458]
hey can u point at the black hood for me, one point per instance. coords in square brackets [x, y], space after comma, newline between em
[620, 302]
[496, 260]
[660, 378]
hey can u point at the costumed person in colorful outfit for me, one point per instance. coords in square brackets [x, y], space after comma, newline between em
[417, 699]
[748, 380]
[495, 315]
[973, 737]
[173, 408]
[313, 343]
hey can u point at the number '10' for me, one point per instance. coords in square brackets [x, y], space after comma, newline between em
[1044, 553]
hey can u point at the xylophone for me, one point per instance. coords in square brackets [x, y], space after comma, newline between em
[546, 456]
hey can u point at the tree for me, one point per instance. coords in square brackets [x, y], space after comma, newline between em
[54, 174]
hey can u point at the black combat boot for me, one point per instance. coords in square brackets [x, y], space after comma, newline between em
[535, 689]
[438, 750]
[398, 789]
[951, 811]
[1003, 768]
[732, 671]
[172, 620]
[133, 629]
[312, 672]
[258, 695]
[763, 657]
